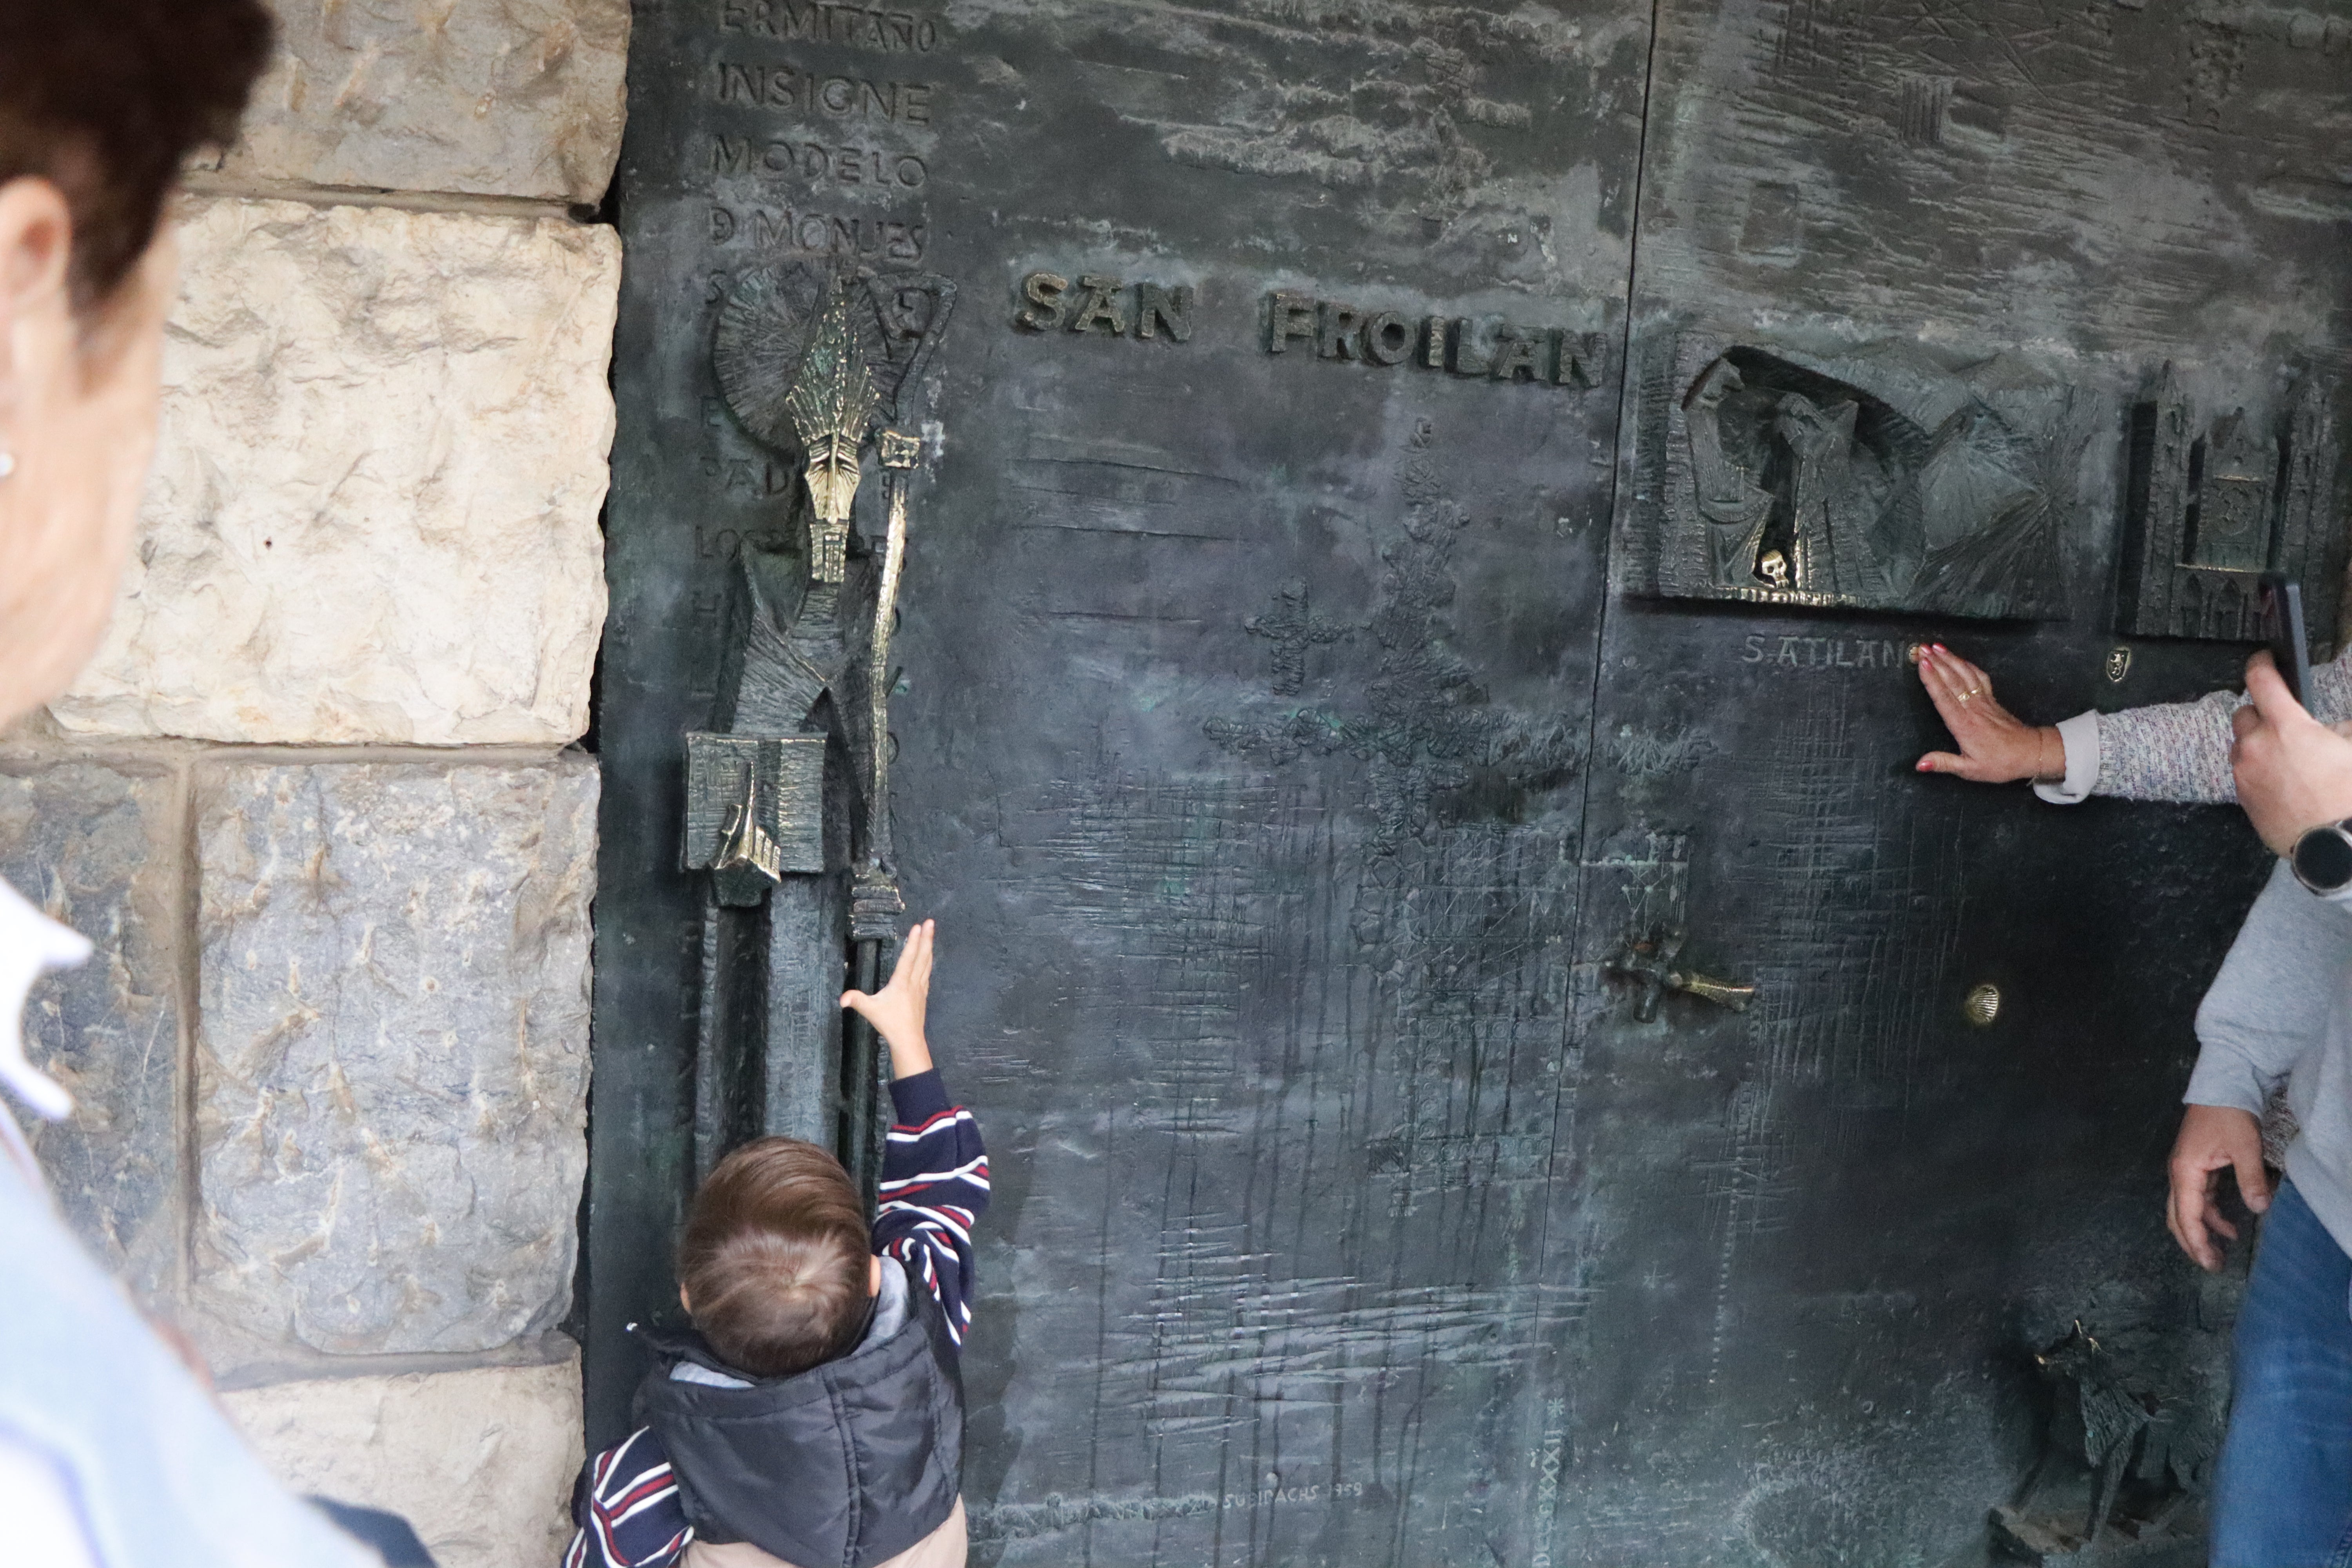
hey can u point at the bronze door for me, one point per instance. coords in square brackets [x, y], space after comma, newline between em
[1337, 630]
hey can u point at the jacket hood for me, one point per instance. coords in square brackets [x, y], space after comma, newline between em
[842, 1465]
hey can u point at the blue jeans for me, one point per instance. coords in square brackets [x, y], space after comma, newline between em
[2284, 1494]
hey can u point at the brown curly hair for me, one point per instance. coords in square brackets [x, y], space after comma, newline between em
[105, 99]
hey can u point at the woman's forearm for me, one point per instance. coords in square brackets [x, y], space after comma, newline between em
[2173, 751]
[2049, 755]
[2181, 750]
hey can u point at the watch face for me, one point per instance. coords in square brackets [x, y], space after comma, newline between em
[2323, 859]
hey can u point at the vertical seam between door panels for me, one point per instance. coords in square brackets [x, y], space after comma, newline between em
[1620, 455]
[1624, 402]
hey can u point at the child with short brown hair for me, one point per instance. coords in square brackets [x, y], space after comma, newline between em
[776, 1265]
[815, 1412]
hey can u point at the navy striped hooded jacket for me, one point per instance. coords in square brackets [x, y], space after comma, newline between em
[627, 1502]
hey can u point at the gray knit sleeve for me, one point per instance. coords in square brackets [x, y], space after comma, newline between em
[2181, 750]
[2171, 750]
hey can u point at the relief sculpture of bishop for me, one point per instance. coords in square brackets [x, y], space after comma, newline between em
[788, 785]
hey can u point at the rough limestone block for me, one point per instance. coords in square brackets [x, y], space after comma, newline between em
[392, 1054]
[512, 98]
[95, 848]
[480, 1462]
[373, 514]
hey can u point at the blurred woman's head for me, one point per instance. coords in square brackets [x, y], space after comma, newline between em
[101, 103]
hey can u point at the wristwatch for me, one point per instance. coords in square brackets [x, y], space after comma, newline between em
[2323, 859]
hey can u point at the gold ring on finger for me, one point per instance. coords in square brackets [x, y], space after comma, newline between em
[1966, 695]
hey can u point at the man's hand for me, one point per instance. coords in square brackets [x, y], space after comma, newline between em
[897, 1010]
[2293, 772]
[2213, 1138]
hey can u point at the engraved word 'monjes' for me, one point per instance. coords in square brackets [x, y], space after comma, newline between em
[818, 23]
[1486, 347]
[1105, 305]
[800, 231]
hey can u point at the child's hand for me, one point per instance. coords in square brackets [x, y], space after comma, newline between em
[897, 1010]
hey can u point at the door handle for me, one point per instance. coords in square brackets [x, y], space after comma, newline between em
[1654, 963]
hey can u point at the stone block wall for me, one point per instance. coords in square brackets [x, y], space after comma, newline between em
[318, 799]
[369, 519]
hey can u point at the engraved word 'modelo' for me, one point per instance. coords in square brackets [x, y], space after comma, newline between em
[851, 165]
[1485, 347]
[1105, 305]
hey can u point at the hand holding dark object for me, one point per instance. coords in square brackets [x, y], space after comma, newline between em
[2293, 773]
[897, 1010]
[1996, 747]
[2213, 1138]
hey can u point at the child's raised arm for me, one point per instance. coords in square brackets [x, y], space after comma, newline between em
[934, 1168]
[897, 1010]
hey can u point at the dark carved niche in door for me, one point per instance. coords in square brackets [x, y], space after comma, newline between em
[1870, 475]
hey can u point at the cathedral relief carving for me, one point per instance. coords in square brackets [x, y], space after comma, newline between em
[1874, 477]
[2215, 501]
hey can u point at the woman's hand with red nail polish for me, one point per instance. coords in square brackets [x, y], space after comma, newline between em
[1995, 746]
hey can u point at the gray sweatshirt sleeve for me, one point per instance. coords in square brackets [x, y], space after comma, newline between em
[2270, 1004]
[2178, 751]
